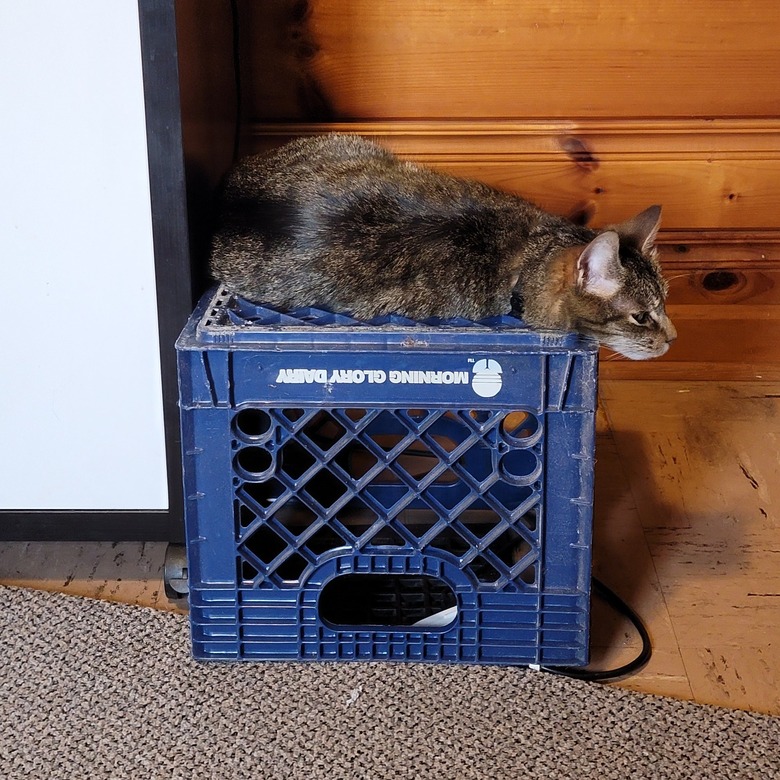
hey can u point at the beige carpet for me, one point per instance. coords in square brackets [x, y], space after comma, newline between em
[90, 690]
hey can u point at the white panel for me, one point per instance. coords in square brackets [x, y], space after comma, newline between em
[81, 423]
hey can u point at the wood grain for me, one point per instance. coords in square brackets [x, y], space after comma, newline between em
[126, 572]
[728, 325]
[744, 677]
[548, 101]
[720, 240]
[724, 287]
[712, 250]
[707, 175]
[702, 464]
[459, 58]
[622, 560]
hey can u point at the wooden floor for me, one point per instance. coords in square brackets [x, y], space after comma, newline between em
[687, 531]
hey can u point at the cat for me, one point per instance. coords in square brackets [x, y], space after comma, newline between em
[339, 222]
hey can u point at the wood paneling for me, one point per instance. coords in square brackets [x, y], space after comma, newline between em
[460, 58]
[204, 33]
[736, 288]
[717, 182]
[592, 110]
[720, 249]
[125, 572]
[705, 174]
[209, 114]
[695, 193]
[728, 325]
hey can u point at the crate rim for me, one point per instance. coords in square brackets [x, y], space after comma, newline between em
[478, 336]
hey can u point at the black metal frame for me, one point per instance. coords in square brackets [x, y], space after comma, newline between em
[174, 299]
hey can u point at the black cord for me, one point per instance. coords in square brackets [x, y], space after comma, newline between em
[621, 672]
[613, 600]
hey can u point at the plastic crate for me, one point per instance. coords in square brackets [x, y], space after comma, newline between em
[385, 490]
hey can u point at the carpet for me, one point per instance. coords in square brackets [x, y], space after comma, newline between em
[91, 689]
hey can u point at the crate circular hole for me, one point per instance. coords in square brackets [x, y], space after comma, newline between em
[521, 428]
[520, 467]
[253, 424]
[254, 463]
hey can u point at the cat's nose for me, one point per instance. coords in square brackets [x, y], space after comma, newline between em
[671, 331]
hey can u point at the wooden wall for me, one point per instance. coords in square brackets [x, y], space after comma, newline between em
[495, 59]
[204, 30]
[595, 110]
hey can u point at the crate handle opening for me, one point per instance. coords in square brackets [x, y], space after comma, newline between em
[403, 602]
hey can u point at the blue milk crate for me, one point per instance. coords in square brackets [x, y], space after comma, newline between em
[385, 490]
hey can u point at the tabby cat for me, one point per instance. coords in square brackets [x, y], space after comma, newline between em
[338, 222]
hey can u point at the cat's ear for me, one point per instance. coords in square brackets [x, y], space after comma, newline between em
[599, 271]
[641, 230]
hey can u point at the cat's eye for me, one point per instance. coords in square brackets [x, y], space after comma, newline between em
[640, 318]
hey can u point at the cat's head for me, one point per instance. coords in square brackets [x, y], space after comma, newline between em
[618, 292]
